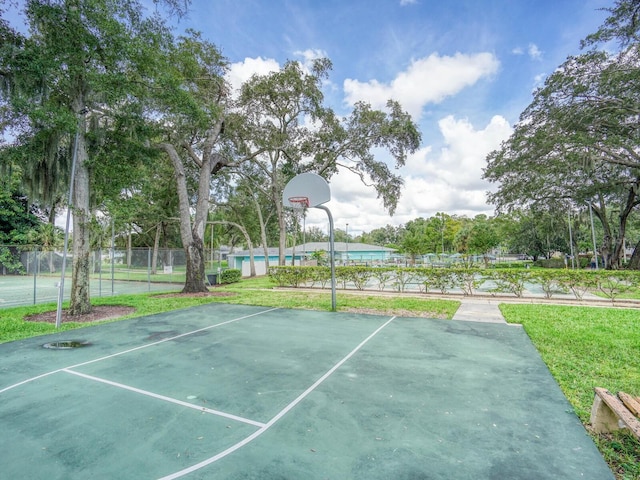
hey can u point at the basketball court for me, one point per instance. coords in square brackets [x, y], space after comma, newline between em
[236, 392]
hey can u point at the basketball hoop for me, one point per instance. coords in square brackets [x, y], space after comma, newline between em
[299, 202]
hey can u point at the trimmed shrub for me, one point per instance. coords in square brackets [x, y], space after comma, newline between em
[358, 276]
[383, 275]
[441, 279]
[468, 279]
[231, 275]
[548, 281]
[612, 283]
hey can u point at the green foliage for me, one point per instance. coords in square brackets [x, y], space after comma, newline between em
[549, 263]
[10, 260]
[320, 256]
[548, 281]
[468, 279]
[509, 280]
[383, 276]
[286, 276]
[320, 275]
[614, 284]
[578, 282]
[575, 147]
[17, 220]
[609, 283]
[441, 279]
[405, 276]
[231, 275]
[358, 276]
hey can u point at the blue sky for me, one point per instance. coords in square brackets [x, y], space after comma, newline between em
[464, 69]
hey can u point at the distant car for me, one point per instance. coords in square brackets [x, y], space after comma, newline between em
[524, 257]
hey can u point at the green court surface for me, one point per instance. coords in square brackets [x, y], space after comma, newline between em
[236, 392]
[22, 290]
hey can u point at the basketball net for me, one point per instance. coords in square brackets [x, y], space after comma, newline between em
[299, 202]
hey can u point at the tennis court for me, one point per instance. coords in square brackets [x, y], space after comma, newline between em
[22, 290]
[236, 392]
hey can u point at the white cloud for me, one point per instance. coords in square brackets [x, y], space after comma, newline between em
[459, 163]
[517, 51]
[534, 52]
[404, 3]
[426, 80]
[309, 55]
[240, 72]
[446, 180]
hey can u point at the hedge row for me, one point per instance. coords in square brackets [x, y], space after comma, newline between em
[469, 280]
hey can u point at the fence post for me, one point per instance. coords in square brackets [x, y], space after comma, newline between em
[149, 269]
[35, 273]
[100, 272]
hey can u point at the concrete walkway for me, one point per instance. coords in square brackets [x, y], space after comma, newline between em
[479, 310]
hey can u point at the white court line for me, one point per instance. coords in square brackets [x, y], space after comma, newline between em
[146, 345]
[166, 399]
[278, 416]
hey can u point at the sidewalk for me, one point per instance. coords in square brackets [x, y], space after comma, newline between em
[479, 310]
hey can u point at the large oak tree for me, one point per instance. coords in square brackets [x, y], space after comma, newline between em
[578, 143]
[286, 120]
[75, 75]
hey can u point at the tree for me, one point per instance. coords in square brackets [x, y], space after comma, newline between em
[191, 109]
[384, 236]
[478, 236]
[248, 205]
[277, 109]
[17, 222]
[315, 234]
[578, 139]
[575, 142]
[535, 232]
[70, 80]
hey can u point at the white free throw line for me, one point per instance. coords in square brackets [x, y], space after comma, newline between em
[166, 399]
[146, 345]
[278, 416]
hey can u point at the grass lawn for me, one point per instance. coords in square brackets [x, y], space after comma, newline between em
[248, 292]
[584, 348]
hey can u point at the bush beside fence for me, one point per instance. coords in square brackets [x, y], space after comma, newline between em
[469, 281]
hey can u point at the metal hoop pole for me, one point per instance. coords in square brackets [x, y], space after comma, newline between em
[332, 257]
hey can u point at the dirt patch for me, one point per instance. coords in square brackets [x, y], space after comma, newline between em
[101, 312]
[109, 312]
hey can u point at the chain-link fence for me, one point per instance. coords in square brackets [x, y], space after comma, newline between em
[30, 275]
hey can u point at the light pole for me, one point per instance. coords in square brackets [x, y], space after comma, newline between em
[571, 240]
[347, 245]
[442, 231]
[593, 236]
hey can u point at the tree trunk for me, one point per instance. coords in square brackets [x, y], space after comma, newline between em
[129, 249]
[194, 281]
[634, 262]
[156, 246]
[622, 228]
[80, 292]
[191, 237]
[282, 242]
[247, 238]
[263, 233]
[51, 248]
